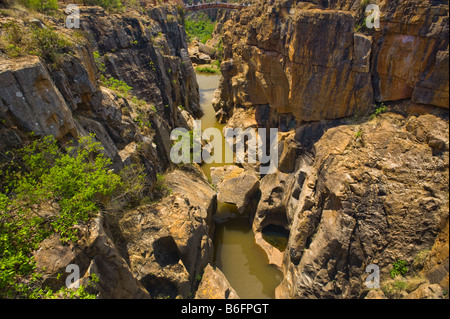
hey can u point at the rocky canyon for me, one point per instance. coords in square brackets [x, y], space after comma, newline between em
[360, 194]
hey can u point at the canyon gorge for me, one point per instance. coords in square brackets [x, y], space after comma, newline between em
[363, 148]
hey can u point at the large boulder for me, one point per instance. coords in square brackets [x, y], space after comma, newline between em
[214, 285]
[235, 186]
[169, 243]
[29, 94]
[95, 254]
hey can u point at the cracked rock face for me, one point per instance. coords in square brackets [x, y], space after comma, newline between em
[306, 59]
[169, 244]
[235, 186]
[28, 92]
[375, 198]
[214, 285]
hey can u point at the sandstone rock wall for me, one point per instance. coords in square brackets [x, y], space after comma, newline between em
[154, 251]
[371, 198]
[145, 51]
[307, 59]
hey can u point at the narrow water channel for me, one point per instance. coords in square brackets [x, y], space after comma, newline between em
[237, 255]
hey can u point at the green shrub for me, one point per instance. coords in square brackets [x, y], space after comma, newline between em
[14, 33]
[207, 69]
[380, 109]
[72, 182]
[41, 5]
[200, 27]
[399, 268]
[48, 44]
[110, 82]
[160, 185]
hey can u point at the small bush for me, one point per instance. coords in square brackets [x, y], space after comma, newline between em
[399, 268]
[207, 69]
[41, 5]
[48, 44]
[200, 27]
[160, 185]
[380, 109]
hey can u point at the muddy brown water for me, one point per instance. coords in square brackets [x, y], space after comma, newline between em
[244, 263]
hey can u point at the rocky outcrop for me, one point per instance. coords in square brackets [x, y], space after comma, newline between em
[149, 53]
[375, 193]
[410, 53]
[436, 268]
[273, 56]
[151, 251]
[29, 95]
[94, 254]
[146, 51]
[214, 285]
[306, 59]
[427, 291]
[235, 186]
[168, 244]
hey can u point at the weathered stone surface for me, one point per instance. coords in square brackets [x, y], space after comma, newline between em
[373, 199]
[214, 285]
[411, 53]
[96, 253]
[281, 62]
[305, 59]
[427, 291]
[363, 48]
[149, 53]
[169, 244]
[272, 206]
[28, 92]
[235, 186]
[436, 268]
[116, 280]
[375, 294]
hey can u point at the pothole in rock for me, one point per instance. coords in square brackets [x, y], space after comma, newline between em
[166, 251]
[159, 288]
[276, 236]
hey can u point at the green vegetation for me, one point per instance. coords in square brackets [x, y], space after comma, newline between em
[398, 288]
[380, 109]
[121, 87]
[113, 5]
[41, 5]
[142, 121]
[399, 268]
[358, 134]
[44, 42]
[160, 185]
[49, 44]
[71, 183]
[207, 69]
[200, 27]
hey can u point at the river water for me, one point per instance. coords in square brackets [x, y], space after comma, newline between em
[237, 255]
